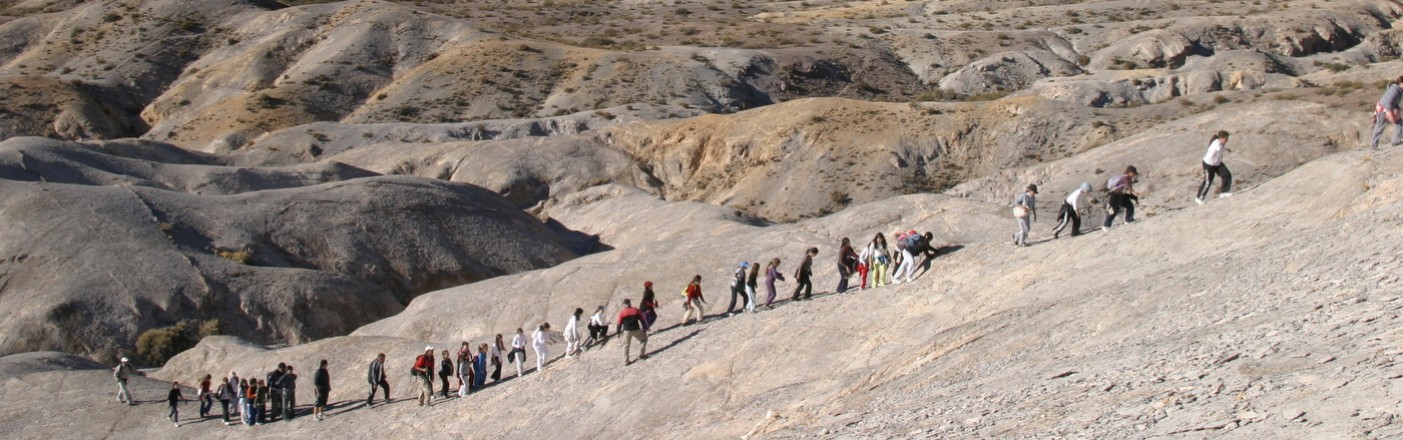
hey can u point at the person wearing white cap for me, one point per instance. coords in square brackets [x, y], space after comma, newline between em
[122, 372]
[424, 372]
[1071, 211]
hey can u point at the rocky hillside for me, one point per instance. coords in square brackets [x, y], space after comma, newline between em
[1266, 313]
[105, 240]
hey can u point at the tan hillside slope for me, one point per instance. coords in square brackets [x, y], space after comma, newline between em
[1270, 313]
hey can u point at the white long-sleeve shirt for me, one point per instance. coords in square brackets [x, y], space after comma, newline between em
[1078, 200]
[539, 340]
[597, 319]
[1214, 157]
[572, 328]
[519, 341]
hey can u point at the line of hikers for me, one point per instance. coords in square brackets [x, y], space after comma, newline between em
[248, 399]
[1120, 195]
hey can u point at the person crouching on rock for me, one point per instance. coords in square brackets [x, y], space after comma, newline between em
[596, 326]
[1122, 196]
[1386, 113]
[1070, 212]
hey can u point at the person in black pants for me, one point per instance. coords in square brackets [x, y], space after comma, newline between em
[803, 273]
[1122, 197]
[322, 384]
[376, 377]
[289, 382]
[738, 288]
[445, 369]
[275, 390]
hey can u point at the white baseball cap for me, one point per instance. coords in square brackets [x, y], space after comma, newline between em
[429, 348]
[124, 359]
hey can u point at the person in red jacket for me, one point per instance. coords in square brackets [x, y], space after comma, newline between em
[630, 327]
[424, 373]
[695, 301]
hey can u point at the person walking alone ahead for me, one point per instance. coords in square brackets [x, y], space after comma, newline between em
[695, 301]
[1386, 113]
[122, 372]
[1213, 166]
[803, 274]
[174, 398]
[424, 373]
[630, 327]
[321, 383]
[1026, 211]
[1070, 212]
[1122, 196]
[376, 377]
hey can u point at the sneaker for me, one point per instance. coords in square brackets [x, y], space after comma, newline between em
[1105, 229]
[1224, 195]
[1198, 200]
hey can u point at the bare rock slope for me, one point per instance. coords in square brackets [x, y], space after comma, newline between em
[100, 246]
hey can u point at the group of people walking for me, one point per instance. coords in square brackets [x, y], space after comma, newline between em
[1120, 195]
[247, 399]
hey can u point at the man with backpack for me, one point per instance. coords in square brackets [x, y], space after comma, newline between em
[376, 377]
[1386, 113]
[423, 371]
[1122, 188]
[122, 373]
[630, 326]
[908, 244]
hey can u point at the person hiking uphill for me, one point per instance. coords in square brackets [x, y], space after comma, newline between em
[424, 373]
[1025, 209]
[1122, 196]
[738, 287]
[376, 376]
[803, 276]
[1213, 166]
[772, 274]
[630, 328]
[123, 372]
[847, 264]
[648, 305]
[1071, 210]
[695, 301]
[572, 333]
[1386, 113]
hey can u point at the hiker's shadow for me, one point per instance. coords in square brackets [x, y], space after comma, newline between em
[675, 342]
[925, 265]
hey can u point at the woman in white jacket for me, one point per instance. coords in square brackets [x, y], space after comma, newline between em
[572, 333]
[540, 341]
